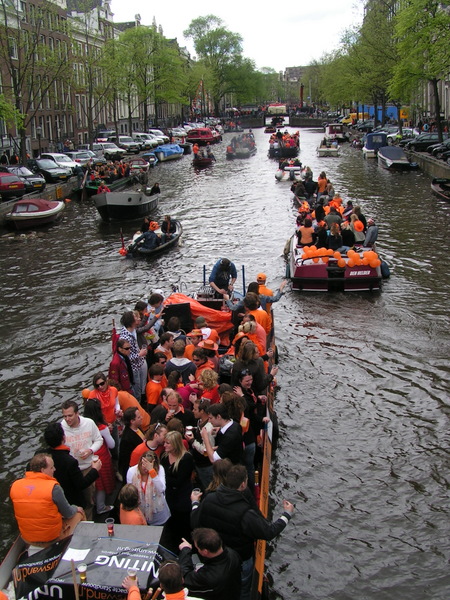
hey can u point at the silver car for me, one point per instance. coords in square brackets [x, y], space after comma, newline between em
[62, 160]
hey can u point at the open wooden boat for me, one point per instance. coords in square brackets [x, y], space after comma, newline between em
[34, 212]
[440, 186]
[202, 161]
[140, 252]
[325, 150]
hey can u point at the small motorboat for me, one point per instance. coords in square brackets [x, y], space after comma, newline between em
[394, 159]
[125, 206]
[328, 149]
[134, 251]
[203, 161]
[168, 152]
[335, 131]
[34, 212]
[374, 141]
[323, 270]
[440, 186]
[290, 173]
[270, 129]
[242, 146]
[150, 157]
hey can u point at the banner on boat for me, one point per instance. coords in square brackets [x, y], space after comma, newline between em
[49, 573]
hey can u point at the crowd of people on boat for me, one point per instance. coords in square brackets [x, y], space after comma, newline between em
[326, 221]
[177, 428]
[284, 140]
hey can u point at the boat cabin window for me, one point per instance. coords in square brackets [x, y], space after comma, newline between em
[23, 208]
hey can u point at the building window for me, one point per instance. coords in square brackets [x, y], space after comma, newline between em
[13, 48]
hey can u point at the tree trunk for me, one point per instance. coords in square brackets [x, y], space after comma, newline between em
[437, 108]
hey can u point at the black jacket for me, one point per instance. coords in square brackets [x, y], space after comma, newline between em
[237, 521]
[218, 578]
[70, 477]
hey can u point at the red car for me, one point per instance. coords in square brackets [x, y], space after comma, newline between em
[203, 136]
[11, 186]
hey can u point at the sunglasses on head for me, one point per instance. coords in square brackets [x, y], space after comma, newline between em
[99, 384]
[245, 372]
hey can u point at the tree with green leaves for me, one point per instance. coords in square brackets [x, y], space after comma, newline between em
[422, 31]
[220, 50]
[34, 72]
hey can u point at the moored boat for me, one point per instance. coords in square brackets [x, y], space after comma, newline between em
[394, 158]
[126, 205]
[166, 152]
[203, 136]
[372, 142]
[34, 212]
[134, 251]
[440, 186]
[335, 131]
[322, 270]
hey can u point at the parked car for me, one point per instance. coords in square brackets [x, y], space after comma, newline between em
[446, 157]
[145, 140]
[438, 150]
[366, 126]
[62, 160]
[158, 139]
[407, 134]
[158, 133]
[108, 150]
[49, 169]
[179, 132]
[423, 141]
[34, 182]
[11, 186]
[84, 157]
[125, 142]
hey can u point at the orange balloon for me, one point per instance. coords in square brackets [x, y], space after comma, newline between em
[316, 260]
[373, 263]
[378, 262]
[366, 254]
[330, 252]
[337, 255]
[351, 262]
[365, 261]
[357, 259]
[325, 259]
[350, 252]
[341, 262]
[314, 248]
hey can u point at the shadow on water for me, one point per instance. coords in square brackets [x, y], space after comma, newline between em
[363, 401]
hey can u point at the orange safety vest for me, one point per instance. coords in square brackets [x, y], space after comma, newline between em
[37, 516]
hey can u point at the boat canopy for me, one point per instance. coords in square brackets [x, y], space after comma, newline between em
[393, 152]
[376, 140]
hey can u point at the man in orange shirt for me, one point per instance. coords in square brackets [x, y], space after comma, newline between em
[261, 279]
[251, 305]
[154, 441]
[207, 332]
[195, 337]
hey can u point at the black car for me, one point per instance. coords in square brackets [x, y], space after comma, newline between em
[34, 182]
[446, 156]
[438, 150]
[50, 170]
[423, 141]
[366, 126]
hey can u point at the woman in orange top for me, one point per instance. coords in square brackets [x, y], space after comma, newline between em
[306, 233]
[130, 513]
[209, 380]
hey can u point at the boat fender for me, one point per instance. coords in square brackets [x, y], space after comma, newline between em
[385, 270]
[288, 271]
[292, 175]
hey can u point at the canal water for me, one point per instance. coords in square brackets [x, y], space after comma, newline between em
[363, 399]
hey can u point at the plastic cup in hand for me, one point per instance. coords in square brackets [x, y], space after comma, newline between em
[82, 570]
[110, 525]
[197, 491]
[132, 573]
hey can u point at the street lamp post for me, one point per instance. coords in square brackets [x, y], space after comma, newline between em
[39, 135]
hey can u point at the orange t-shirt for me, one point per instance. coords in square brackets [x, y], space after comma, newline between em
[153, 391]
[126, 400]
[132, 517]
[263, 319]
